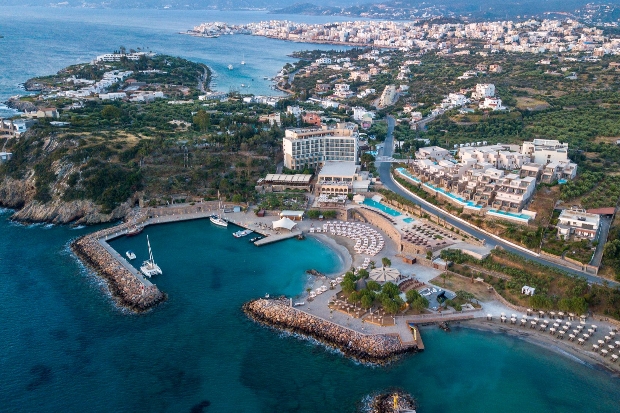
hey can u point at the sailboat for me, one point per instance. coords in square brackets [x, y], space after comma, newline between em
[230, 67]
[217, 219]
[243, 61]
[149, 268]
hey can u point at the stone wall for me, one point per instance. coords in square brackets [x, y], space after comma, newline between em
[361, 347]
[126, 289]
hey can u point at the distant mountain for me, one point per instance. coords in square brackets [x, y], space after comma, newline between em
[473, 9]
[174, 4]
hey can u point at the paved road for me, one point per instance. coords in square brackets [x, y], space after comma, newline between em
[387, 180]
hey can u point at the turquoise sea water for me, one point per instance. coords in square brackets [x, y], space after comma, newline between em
[66, 348]
[40, 41]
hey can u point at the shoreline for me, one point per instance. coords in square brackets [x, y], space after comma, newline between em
[576, 353]
[343, 253]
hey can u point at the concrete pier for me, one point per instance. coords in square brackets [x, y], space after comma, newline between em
[275, 238]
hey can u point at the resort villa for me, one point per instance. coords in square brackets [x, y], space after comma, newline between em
[500, 177]
[578, 223]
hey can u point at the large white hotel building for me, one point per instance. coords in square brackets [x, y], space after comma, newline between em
[311, 147]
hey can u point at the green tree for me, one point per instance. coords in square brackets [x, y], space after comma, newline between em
[367, 301]
[412, 295]
[390, 289]
[386, 261]
[202, 120]
[110, 112]
[348, 285]
[373, 286]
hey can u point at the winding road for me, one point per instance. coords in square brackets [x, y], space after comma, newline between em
[385, 174]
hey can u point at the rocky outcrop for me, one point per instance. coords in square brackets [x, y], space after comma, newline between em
[393, 401]
[21, 105]
[15, 193]
[128, 291]
[18, 194]
[59, 212]
[373, 349]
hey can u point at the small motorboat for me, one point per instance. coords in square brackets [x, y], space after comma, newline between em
[131, 255]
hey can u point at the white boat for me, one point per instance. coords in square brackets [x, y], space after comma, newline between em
[217, 220]
[149, 268]
[230, 67]
[131, 255]
[299, 304]
[243, 61]
[242, 233]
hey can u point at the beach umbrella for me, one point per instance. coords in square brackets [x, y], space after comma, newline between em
[384, 274]
[611, 333]
[594, 327]
[556, 325]
[607, 338]
[586, 336]
[611, 347]
[618, 343]
[601, 342]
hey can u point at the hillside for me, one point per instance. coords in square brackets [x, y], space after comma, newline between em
[108, 155]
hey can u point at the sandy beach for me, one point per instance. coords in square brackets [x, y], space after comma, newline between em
[581, 354]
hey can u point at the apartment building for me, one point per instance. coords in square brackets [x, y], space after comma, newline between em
[500, 156]
[543, 151]
[311, 147]
[513, 192]
[432, 152]
[578, 223]
[483, 90]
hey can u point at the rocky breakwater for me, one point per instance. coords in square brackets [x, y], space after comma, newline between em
[128, 291]
[372, 349]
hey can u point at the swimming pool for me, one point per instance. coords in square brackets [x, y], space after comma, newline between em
[406, 174]
[463, 201]
[408, 220]
[382, 207]
[512, 215]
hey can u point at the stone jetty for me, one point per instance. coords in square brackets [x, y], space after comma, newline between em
[372, 349]
[127, 289]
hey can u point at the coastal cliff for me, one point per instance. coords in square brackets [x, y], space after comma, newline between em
[371, 349]
[19, 194]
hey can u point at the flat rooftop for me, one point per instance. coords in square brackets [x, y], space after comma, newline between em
[288, 179]
[336, 168]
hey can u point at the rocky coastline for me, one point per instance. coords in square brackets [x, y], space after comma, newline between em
[19, 195]
[126, 289]
[368, 349]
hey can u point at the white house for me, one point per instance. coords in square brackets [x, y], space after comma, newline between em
[483, 90]
[492, 103]
[579, 223]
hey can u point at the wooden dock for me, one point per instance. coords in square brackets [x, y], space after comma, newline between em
[275, 238]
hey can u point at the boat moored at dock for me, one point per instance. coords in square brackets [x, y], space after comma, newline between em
[217, 220]
[149, 268]
[242, 233]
